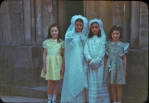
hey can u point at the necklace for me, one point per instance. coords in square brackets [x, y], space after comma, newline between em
[94, 39]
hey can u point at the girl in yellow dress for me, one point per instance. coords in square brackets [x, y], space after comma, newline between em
[53, 65]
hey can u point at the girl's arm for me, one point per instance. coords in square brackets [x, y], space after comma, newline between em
[86, 53]
[105, 60]
[83, 39]
[44, 60]
[63, 62]
[125, 64]
[101, 54]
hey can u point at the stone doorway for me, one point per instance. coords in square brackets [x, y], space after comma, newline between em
[66, 10]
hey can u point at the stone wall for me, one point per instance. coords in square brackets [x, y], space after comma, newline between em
[21, 65]
[28, 66]
[136, 88]
[21, 50]
[10, 17]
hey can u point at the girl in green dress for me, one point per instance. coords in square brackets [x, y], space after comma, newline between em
[53, 65]
[115, 69]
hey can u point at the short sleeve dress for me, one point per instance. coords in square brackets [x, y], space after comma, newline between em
[53, 59]
[114, 70]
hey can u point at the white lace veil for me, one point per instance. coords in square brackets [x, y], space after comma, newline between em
[73, 82]
[100, 23]
[72, 26]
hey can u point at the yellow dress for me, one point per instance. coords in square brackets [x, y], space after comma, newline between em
[53, 59]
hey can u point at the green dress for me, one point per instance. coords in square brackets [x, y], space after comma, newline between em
[114, 70]
[53, 59]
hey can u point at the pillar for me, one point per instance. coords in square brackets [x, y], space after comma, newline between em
[135, 23]
[126, 24]
[38, 16]
[143, 34]
[33, 36]
[27, 21]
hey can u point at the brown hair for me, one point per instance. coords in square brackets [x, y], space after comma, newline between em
[115, 27]
[59, 32]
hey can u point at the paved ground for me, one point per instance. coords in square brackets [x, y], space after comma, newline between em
[21, 99]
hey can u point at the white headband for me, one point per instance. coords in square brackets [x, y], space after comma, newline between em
[72, 25]
[100, 23]
[97, 21]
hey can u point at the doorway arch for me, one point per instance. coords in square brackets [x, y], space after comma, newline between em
[66, 10]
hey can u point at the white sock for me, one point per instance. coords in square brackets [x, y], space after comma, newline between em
[49, 97]
[54, 98]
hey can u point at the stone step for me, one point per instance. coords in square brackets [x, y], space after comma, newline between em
[41, 92]
[35, 92]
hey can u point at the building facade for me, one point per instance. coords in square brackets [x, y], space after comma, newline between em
[24, 26]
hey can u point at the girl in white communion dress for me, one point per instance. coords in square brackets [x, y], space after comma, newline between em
[75, 82]
[94, 51]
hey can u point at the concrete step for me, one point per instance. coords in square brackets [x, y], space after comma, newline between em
[37, 92]
[21, 99]
[40, 92]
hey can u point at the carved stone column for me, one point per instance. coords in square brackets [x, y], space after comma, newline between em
[62, 17]
[27, 21]
[5, 20]
[126, 24]
[33, 35]
[135, 23]
[38, 16]
[143, 35]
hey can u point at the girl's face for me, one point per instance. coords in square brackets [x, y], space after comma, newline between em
[95, 28]
[116, 35]
[54, 32]
[78, 26]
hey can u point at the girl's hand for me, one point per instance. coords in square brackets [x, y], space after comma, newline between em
[73, 42]
[44, 70]
[62, 70]
[83, 38]
[125, 73]
[89, 61]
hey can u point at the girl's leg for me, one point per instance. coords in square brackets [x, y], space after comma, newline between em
[113, 92]
[119, 92]
[50, 85]
[110, 95]
[55, 87]
[55, 91]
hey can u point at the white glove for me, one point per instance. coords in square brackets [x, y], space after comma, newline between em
[94, 64]
[83, 39]
[73, 42]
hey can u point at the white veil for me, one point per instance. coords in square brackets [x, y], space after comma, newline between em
[100, 23]
[71, 28]
[74, 76]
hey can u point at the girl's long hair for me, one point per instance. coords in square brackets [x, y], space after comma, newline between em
[91, 33]
[59, 32]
